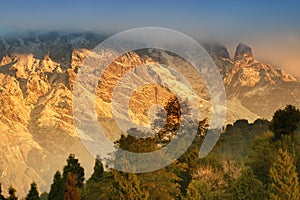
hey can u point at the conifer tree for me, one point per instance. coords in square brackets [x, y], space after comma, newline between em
[126, 186]
[264, 149]
[247, 187]
[98, 170]
[57, 188]
[285, 121]
[12, 193]
[44, 196]
[73, 166]
[161, 184]
[284, 179]
[33, 193]
[71, 189]
[100, 189]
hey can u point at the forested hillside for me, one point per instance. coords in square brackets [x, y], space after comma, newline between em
[259, 160]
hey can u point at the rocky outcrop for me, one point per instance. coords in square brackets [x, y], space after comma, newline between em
[36, 122]
[248, 71]
[17, 144]
[257, 84]
[242, 50]
[216, 50]
[220, 55]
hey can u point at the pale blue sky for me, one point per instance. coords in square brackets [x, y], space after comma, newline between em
[272, 28]
[234, 17]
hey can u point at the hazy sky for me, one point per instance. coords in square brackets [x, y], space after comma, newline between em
[271, 28]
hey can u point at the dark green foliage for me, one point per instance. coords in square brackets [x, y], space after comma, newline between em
[190, 159]
[71, 189]
[59, 182]
[99, 185]
[182, 175]
[33, 193]
[98, 170]
[73, 166]
[99, 190]
[135, 144]
[217, 176]
[262, 155]
[57, 188]
[296, 141]
[284, 179]
[126, 186]
[230, 152]
[285, 121]
[238, 138]
[12, 193]
[247, 187]
[44, 196]
[198, 189]
[284, 125]
[163, 183]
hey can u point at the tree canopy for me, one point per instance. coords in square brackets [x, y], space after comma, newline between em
[285, 121]
[284, 179]
[33, 193]
[73, 166]
[71, 190]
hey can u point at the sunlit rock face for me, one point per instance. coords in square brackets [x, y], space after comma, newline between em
[37, 76]
[257, 84]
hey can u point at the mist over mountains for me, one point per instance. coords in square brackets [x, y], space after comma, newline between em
[37, 73]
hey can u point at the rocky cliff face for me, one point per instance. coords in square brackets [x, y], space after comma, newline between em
[36, 109]
[252, 87]
[257, 84]
[37, 75]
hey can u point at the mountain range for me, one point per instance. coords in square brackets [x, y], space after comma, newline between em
[37, 75]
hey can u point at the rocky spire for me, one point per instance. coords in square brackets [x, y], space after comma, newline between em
[242, 49]
[217, 50]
